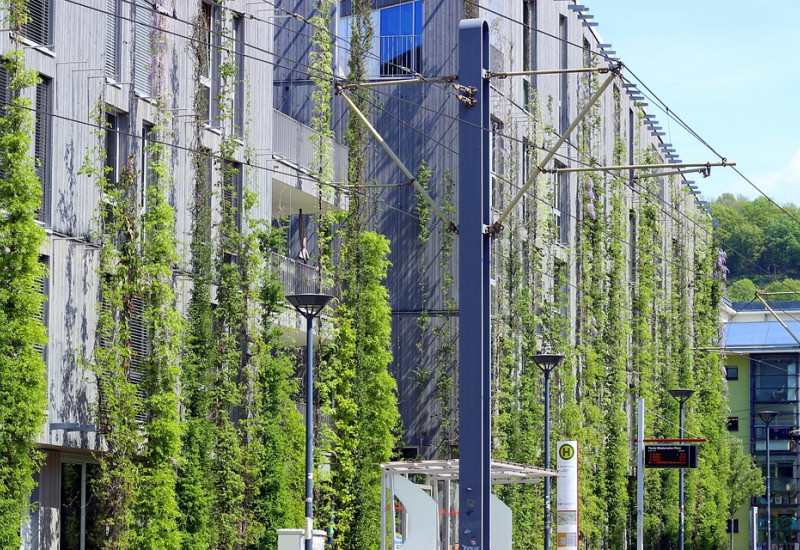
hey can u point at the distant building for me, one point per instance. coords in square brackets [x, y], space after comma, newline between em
[761, 366]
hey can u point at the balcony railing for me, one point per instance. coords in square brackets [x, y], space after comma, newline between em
[292, 141]
[297, 277]
[399, 54]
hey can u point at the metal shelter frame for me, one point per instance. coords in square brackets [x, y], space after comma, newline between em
[447, 471]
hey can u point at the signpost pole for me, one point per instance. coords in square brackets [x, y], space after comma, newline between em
[567, 511]
[640, 478]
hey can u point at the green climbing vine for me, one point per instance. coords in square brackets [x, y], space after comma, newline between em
[195, 490]
[22, 373]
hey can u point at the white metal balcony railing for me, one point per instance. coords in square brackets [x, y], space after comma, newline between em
[297, 277]
[292, 141]
[399, 55]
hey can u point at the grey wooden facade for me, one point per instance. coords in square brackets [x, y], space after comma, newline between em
[92, 52]
[419, 122]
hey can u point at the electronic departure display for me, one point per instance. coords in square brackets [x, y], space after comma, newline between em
[670, 456]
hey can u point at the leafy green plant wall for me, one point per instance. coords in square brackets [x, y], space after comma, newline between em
[22, 372]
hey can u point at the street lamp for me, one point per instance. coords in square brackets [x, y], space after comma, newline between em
[682, 395]
[767, 417]
[309, 306]
[547, 362]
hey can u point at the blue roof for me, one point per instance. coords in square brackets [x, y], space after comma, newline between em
[761, 334]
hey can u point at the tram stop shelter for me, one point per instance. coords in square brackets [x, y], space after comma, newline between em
[424, 503]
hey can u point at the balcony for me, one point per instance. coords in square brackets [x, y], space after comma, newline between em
[293, 187]
[296, 276]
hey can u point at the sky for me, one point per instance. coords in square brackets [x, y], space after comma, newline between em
[731, 71]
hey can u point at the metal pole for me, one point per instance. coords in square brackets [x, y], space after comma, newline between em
[383, 511]
[554, 149]
[547, 458]
[309, 432]
[399, 163]
[769, 499]
[640, 167]
[474, 410]
[640, 478]
[680, 487]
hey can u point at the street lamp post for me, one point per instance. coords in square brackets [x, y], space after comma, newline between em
[682, 395]
[547, 362]
[309, 306]
[767, 417]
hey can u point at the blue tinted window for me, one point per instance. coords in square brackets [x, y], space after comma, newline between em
[398, 20]
[400, 38]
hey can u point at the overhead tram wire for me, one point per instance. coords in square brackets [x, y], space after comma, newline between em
[195, 26]
[341, 187]
[176, 34]
[670, 113]
[301, 64]
[347, 189]
[296, 62]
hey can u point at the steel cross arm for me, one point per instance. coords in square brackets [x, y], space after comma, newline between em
[601, 70]
[497, 226]
[395, 82]
[450, 225]
[672, 173]
[641, 167]
[763, 301]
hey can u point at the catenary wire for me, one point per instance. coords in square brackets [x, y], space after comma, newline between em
[299, 63]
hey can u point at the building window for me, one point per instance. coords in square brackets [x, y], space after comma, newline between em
[232, 210]
[731, 373]
[41, 144]
[631, 246]
[617, 123]
[148, 158]
[209, 79]
[113, 145]
[733, 423]
[587, 53]
[735, 525]
[631, 144]
[79, 512]
[43, 286]
[561, 205]
[563, 33]
[397, 46]
[232, 194]
[238, 92]
[113, 21]
[142, 47]
[774, 378]
[39, 26]
[529, 36]
[561, 292]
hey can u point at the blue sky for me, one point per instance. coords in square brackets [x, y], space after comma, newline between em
[731, 71]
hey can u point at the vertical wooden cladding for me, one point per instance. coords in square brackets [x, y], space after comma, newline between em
[71, 306]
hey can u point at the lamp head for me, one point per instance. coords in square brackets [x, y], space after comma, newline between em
[681, 394]
[547, 361]
[767, 416]
[309, 305]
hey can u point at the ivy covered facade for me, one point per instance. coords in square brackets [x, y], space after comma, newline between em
[195, 164]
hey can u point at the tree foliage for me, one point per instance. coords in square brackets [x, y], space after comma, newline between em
[761, 240]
